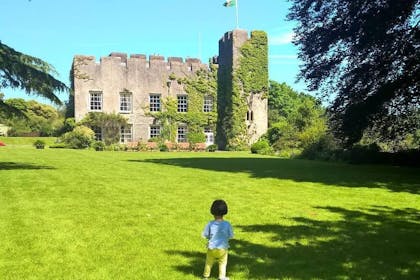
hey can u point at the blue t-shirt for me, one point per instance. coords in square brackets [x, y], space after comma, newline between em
[218, 233]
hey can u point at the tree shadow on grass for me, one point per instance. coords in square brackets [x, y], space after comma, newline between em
[21, 165]
[374, 243]
[389, 177]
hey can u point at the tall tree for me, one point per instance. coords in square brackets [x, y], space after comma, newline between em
[364, 54]
[31, 74]
[295, 119]
[35, 119]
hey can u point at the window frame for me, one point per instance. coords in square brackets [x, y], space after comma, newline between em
[184, 139]
[129, 104]
[209, 134]
[208, 102]
[124, 133]
[155, 106]
[182, 107]
[154, 135]
[96, 101]
[98, 133]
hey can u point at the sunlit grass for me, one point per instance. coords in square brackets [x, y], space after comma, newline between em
[26, 141]
[71, 214]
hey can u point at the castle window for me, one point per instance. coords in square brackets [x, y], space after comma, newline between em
[126, 133]
[250, 115]
[154, 103]
[182, 103]
[154, 131]
[208, 103]
[98, 133]
[208, 132]
[126, 102]
[182, 134]
[95, 100]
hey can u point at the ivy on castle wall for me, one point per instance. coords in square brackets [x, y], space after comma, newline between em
[202, 83]
[253, 66]
[251, 77]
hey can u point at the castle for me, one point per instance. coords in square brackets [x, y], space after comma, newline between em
[137, 88]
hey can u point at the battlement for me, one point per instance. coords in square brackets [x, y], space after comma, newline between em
[140, 61]
[231, 35]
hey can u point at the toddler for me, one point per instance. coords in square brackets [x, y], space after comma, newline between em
[218, 232]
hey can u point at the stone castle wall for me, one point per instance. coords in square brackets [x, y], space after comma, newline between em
[117, 73]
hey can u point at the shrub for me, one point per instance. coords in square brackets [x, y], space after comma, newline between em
[325, 148]
[163, 148]
[39, 144]
[261, 147]
[152, 146]
[141, 146]
[79, 138]
[197, 147]
[116, 147]
[98, 146]
[211, 148]
[364, 154]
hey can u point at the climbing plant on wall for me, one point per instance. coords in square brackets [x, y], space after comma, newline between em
[202, 83]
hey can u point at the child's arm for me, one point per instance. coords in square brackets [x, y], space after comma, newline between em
[206, 232]
[230, 231]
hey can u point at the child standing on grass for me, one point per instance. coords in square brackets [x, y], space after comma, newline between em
[218, 232]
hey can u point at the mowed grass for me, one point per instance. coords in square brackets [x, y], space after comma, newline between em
[79, 214]
[26, 141]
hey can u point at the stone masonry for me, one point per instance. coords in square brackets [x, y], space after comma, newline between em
[99, 86]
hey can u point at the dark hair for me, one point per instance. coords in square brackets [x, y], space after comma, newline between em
[219, 208]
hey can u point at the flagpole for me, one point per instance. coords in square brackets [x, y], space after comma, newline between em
[237, 17]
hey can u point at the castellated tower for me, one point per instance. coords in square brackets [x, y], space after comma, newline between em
[242, 89]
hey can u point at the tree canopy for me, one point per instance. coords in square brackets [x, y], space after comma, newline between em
[31, 74]
[295, 119]
[30, 118]
[364, 55]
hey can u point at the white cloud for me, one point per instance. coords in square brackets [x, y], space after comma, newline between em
[282, 39]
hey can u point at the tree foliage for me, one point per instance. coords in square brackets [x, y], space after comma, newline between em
[81, 137]
[296, 120]
[365, 55]
[31, 118]
[109, 123]
[31, 74]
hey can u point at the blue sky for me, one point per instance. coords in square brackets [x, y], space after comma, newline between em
[55, 31]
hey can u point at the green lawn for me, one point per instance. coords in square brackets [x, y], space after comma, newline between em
[26, 141]
[78, 214]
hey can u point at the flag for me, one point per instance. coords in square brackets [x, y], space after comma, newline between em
[230, 3]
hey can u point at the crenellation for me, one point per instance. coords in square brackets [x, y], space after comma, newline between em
[175, 60]
[138, 56]
[157, 61]
[122, 56]
[122, 59]
[84, 57]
